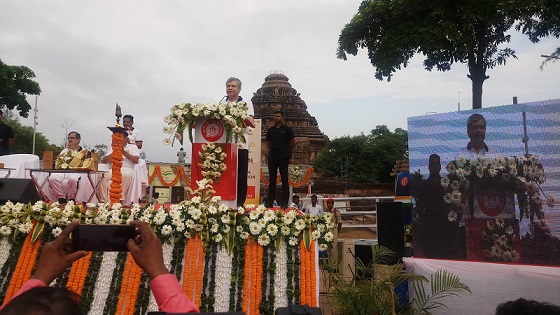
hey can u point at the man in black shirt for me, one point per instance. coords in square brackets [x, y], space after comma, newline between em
[281, 141]
[6, 137]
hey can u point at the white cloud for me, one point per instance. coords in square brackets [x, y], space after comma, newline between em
[149, 55]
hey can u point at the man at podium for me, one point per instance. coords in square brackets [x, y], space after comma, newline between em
[233, 88]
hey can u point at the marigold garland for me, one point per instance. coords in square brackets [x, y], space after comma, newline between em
[25, 265]
[129, 290]
[199, 271]
[181, 175]
[312, 275]
[78, 274]
[248, 271]
[115, 191]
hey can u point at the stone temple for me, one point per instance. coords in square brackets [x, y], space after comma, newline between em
[275, 94]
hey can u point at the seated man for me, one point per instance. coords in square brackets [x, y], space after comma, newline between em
[64, 186]
[131, 156]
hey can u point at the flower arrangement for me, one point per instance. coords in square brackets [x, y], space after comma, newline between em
[498, 240]
[523, 174]
[212, 161]
[201, 215]
[295, 173]
[183, 116]
[62, 161]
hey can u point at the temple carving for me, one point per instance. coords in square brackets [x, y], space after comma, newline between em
[275, 94]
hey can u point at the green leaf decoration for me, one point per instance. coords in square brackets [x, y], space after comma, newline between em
[37, 231]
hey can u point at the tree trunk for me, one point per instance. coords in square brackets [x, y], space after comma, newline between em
[477, 76]
[477, 92]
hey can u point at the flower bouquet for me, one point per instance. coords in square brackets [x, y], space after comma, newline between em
[523, 175]
[183, 116]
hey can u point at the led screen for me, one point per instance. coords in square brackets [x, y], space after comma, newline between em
[497, 204]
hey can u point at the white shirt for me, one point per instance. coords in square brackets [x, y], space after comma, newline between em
[134, 135]
[131, 149]
[316, 210]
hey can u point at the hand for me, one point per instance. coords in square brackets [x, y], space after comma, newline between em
[57, 256]
[147, 251]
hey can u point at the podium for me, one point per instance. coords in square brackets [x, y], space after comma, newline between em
[213, 131]
[492, 203]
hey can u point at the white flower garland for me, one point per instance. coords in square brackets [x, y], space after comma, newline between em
[223, 280]
[281, 278]
[5, 247]
[103, 282]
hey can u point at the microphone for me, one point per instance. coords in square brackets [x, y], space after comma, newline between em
[225, 97]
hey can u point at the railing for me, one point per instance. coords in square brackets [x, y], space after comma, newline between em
[366, 209]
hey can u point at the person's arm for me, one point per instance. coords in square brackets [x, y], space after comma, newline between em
[292, 144]
[338, 220]
[11, 142]
[132, 158]
[56, 257]
[147, 251]
[107, 158]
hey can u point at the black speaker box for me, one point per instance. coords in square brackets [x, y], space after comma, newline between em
[390, 227]
[296, 309]
[18, 190]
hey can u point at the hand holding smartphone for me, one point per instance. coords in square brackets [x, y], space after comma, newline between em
[104, 237]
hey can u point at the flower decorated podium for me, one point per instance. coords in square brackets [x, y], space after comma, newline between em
[480, 193]
[213, 157]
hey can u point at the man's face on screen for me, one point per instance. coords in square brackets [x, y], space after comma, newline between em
[477, 131]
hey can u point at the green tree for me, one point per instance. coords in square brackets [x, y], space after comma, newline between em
[15, 83]
[364, 158]
[23, 140]
[555, 56]
[445, 32]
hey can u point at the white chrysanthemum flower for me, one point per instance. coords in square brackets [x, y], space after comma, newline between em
[214, 228]
[284, 230]
[323, 247]
[272, 229]
[255, 228]
[225, 218]
[5, 230]
[269, 215]
[166, 229]
[264, 240]
[452, 216]
[25, 227]
[218, 237]
[315, 234]
[253, 215]
[115, 220]
[212, 209]
[223, 208]
[293, 241]
[56, 231]
[300, 224]
[329, 236]
[240, 210]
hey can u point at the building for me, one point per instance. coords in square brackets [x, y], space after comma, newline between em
[275, 94]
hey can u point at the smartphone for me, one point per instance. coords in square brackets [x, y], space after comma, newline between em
[103, 237]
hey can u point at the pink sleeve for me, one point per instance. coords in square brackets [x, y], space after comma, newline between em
[30, 284]
[169, 295]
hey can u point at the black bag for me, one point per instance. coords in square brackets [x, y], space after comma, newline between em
[296, 309]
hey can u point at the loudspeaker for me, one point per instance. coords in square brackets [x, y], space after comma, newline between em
[390, 227]
[296, 309]
[18, 190]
